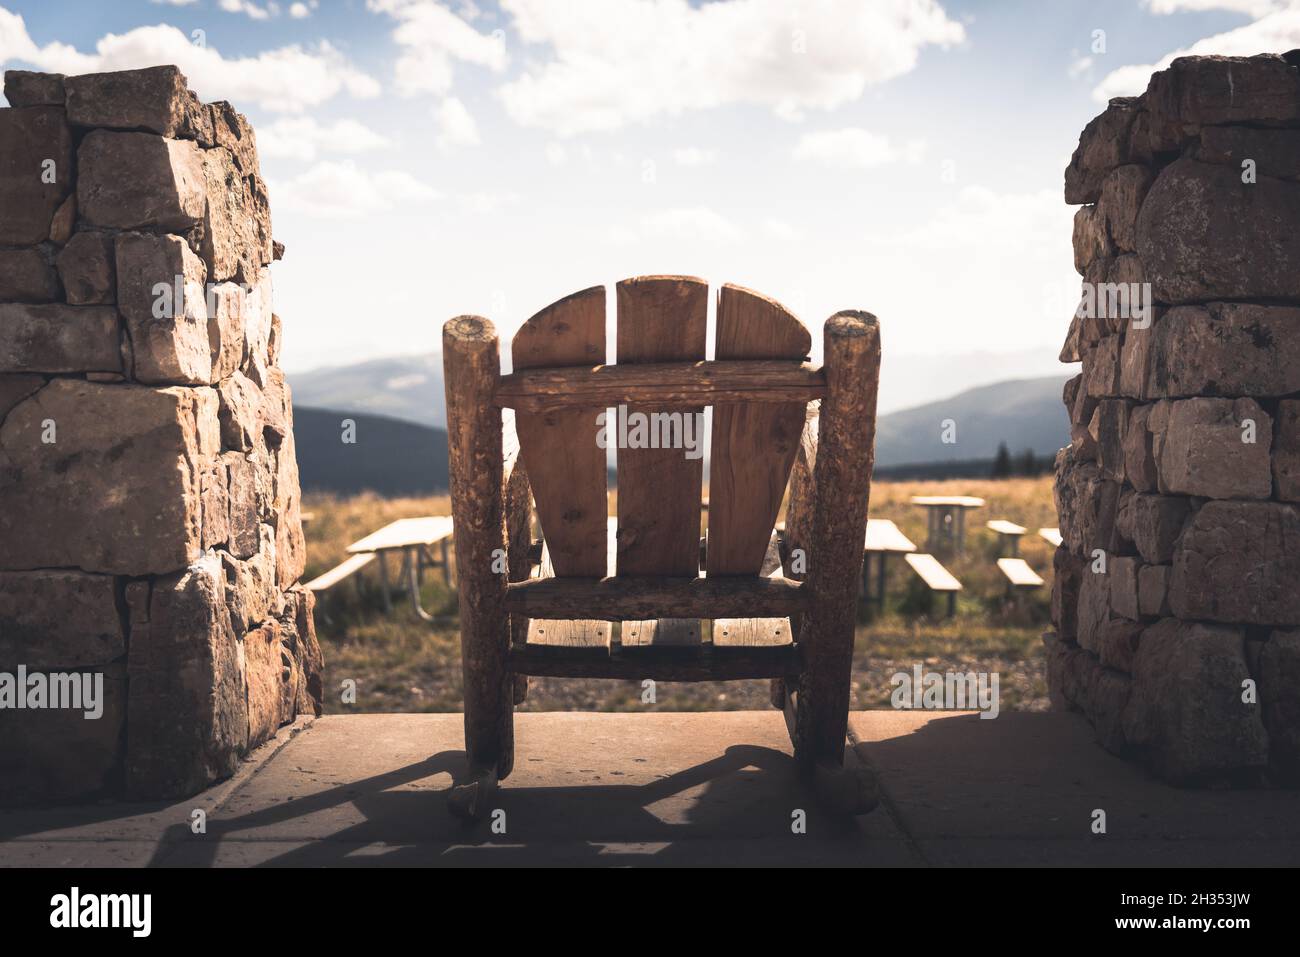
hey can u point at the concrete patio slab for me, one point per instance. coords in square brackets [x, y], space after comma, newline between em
[667, 789]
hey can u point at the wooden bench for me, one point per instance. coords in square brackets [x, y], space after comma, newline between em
[946, 520]
[412, 538]
[936, 577]
[1018, 573]
[1008, 532]
[883, 539]
[798, 629]
[1051, 535]
[339, 572]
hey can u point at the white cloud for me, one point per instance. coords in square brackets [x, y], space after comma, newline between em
[689, 223]
[694, 156]
[456, 127]
[343, 190]
[1275, 32]
[486, 203]
[303, 138]
[431, 37]
[853, 148]
[175, 3]
[300, 11]
[781, 231]
[556, 154]
[285, 80]
[250, 9]
[1079, 66]
[1254, 8]
[616, 62]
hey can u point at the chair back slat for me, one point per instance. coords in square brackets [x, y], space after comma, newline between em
[660, 319]
[565, 466]
[753, 444]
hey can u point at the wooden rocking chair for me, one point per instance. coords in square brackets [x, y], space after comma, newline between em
[796, 629]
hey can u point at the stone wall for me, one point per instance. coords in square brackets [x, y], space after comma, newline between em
[149, 505]
[1177, 595]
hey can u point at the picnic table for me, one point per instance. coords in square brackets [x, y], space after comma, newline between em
[946, 520]
[413, 538]
[1007, 532]
[883, 539]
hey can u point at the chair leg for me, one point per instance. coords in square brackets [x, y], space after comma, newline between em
[818, 714]
[471, 367]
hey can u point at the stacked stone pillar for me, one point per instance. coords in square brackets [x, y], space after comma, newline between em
[1176, 604]
[150, 529]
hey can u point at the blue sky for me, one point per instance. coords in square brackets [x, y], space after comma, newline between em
[431, 158]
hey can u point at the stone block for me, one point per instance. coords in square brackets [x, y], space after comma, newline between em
[1204, 449]
[1198, 91]
[1123, 572]
[233, 132]
[155, 98]
[88, 267]
[57, 339]
[60, 755]
[1103, 145]
[25, 88]
[1186, 712]
[1286, 450]
[230, 246]
[1279, 694]
[1122, 192]
[1158, 521]
[164, 190]
[161, 293]
[1203, 235]
[185, 661]
[1090, 240]
[36, 172]
[26, 275]
[58, 619]
[1275, 153]
[1237, 562]
[119, 491]
[1139, 459]
[14, 388]
[1226, 349]
[1153, 591]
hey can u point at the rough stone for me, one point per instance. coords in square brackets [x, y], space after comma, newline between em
[1201, 231]
[155, 99]
[269, 670]
[1279, 694]
[185, 662]
[64, 221]
[57, 338]
[251, 591]
[1103, 145]
[1237, 562]
[88, 268]
[1123, 572]
[58, 619]
[1139, 460]
[226, 328]
[1276, 153]
[1108, 430]
[1122, 192]
[232, 131]
[1118, 645]
[215, 502]
[299, 628]
[16, 387]
[1158, 522]
[1094, 606]
[230, 244]
[27, 276]
[55, 754]
[1204, 452]
[25, 88]
[1067, 578]
[1286, 450]
[1153, 591]
[1086, 504]
[1101, 368]
[1186, 712]
[1216, 91]
[1090, 240]
[244, 482]
[36, 172]
[241, 413]
[164, 191]
[169, 332]
[1227, 349]
[119, 491]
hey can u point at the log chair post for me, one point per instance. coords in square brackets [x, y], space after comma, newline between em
[842, 477]
[471, 369]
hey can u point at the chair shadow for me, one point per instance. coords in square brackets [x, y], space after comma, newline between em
[748, 793]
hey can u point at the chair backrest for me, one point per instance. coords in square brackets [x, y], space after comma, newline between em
[660, 319]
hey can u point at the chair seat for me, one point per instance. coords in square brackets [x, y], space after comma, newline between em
[668, 649]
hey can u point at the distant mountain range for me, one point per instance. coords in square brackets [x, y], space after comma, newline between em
[399, 410]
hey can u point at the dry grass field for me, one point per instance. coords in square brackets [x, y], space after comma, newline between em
[400, 663]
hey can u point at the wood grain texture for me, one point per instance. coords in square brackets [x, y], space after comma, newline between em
[660, 319]
[694, 663]
[471, 367]
[688, 383]
[661, 632]
[753, 444]
[844, 457]
[756, 632]
[640, 599]
[566, 468]
[560, 633]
